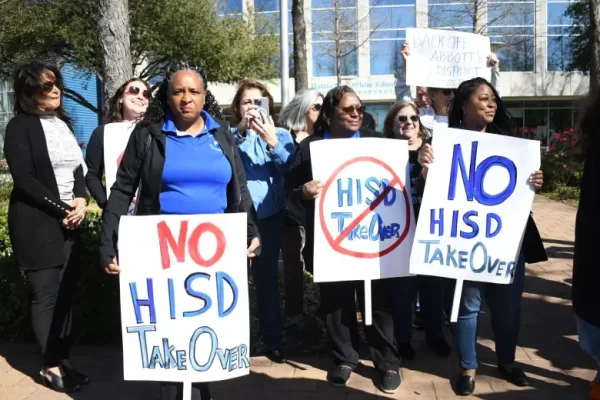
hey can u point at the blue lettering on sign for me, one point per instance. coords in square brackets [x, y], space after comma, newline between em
[138, 303]
[375, 230]
[346, 194]
[471, 226]
[477, 259]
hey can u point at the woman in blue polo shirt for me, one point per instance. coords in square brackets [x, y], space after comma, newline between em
[185, 162]
[267, 153]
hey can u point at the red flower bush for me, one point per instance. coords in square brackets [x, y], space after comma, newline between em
[558, 163]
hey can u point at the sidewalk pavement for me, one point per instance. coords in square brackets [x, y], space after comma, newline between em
[548, 352]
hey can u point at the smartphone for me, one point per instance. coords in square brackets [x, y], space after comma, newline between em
[263, 107]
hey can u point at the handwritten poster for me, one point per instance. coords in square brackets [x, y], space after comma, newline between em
[475, 207]
[364, 222]
[184, 297]
[444, 59]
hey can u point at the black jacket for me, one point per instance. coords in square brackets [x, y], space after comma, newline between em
[300, 173]
[94, 158]
[586, 269]
[35, 211]
[143, 163]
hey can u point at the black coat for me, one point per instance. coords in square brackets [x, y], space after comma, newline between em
[94, 158]
[35, 211]
[143, 163]
[586, 269]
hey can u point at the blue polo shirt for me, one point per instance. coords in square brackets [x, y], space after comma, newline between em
[196, 171]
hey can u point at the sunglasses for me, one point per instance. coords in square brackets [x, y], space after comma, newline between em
[404, 118]
[350, 109]
[134, 90]
[46, 87]
[317, 107]
[447, 92]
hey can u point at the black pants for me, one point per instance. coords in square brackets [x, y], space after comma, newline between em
[174, 391]
[293, 269]
[52, 295]
[339, 304]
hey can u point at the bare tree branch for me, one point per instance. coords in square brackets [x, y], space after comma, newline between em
[79, 99]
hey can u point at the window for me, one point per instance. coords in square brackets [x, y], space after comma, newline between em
[452, 14]
[6, 110]
[539, 120]
[331, 44]
[230, 8]
[267, 14]
[511, 24]
[388, 20]
[559, 39]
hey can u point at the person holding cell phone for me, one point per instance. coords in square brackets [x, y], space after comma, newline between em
[267, 153]
[125, 108]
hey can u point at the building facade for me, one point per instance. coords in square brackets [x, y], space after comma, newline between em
[531, 37]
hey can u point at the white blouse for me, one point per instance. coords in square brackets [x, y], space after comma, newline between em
[65, 155]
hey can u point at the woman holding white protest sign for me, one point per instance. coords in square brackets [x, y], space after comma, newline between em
[477, 107]
[125, 108]
[403, 122]
[439, 99]
[341, 118]
[183, 161]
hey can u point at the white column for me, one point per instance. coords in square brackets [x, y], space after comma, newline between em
[362, 16]
[541, 35]
[422, 13]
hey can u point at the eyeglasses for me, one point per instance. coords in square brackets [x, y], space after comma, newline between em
[134, 90]
[404, 118]
[46, 87]
[350, 109]
[447, 92]
[317, 107]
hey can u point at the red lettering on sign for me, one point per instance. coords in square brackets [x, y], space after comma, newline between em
[167, 240]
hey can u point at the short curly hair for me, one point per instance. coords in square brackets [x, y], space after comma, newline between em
[159, 105]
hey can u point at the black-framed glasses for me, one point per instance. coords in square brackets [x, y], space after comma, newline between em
[350, 109]
[404, 118]
[317, 107]
[134, 90]
[46, 87]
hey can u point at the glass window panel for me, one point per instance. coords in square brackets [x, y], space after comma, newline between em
[392, 17]
[229, 6]
[511, 14]
[451, 16]
[560, 120]
[391, 2]
[556, 14]
[389, 34]
[324, 59]
[266, 5]
[385, 57]
[330, 3]
[559, 53]
[559, 30]
[323, 20]
[536, 124]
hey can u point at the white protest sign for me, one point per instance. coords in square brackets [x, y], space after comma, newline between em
[115, 142]
[364, 222]
[444, 59]
[184, 298]
[475, 207]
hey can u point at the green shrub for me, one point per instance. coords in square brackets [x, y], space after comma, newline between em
[96, 311]
[561, 169]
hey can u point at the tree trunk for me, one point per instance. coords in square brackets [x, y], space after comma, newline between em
[595, 45]
[115, 51]
[300, 62]
[338, 41]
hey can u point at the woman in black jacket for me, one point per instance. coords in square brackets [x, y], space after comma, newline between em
[47, 206]
[478, 107]
[586, 273]
[125, 109]
[169, 154]
[341, 118]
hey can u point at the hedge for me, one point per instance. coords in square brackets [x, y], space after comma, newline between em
[96, 313]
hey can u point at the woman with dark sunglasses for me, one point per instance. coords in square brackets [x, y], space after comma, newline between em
[439, 99]
[125, 108]
[403, 122]
[299, 116]
[47, 206]
[341, 118]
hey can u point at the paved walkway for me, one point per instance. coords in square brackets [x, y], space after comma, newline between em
[548, 352]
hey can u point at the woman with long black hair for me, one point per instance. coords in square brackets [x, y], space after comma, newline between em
[47, 207]
[172, 155]
[477, 107]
